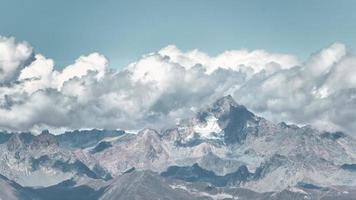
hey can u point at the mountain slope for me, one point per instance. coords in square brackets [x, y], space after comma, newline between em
[40, 161]
[142, 185]
[10, 190]
[225, 146]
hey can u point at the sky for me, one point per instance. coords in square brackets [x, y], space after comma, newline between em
[125, 30]
[68, 65]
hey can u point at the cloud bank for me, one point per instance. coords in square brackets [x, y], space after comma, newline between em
[165, 86]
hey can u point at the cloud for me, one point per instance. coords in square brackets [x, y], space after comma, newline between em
[241, 60]
[321, 91]
[165, 86]
[13, 57]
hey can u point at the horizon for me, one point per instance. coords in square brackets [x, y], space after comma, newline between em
[69, 131]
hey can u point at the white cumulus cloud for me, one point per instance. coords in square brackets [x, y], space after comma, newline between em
[13, 57]
[164, 86]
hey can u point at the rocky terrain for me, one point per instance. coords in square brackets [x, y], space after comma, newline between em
[224, 152]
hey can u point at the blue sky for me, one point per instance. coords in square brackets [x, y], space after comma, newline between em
[124, 30]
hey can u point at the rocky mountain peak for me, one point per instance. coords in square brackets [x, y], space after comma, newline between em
[224, 104]
[148, 133]
[229, 118]
[44, 139]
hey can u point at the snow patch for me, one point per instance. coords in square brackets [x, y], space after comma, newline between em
[134, 132]
[208, 130]
[297, 190]
[217, 196]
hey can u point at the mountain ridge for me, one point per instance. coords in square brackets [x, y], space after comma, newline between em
[224, 145]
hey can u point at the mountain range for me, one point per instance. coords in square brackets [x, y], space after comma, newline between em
[224, 152]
